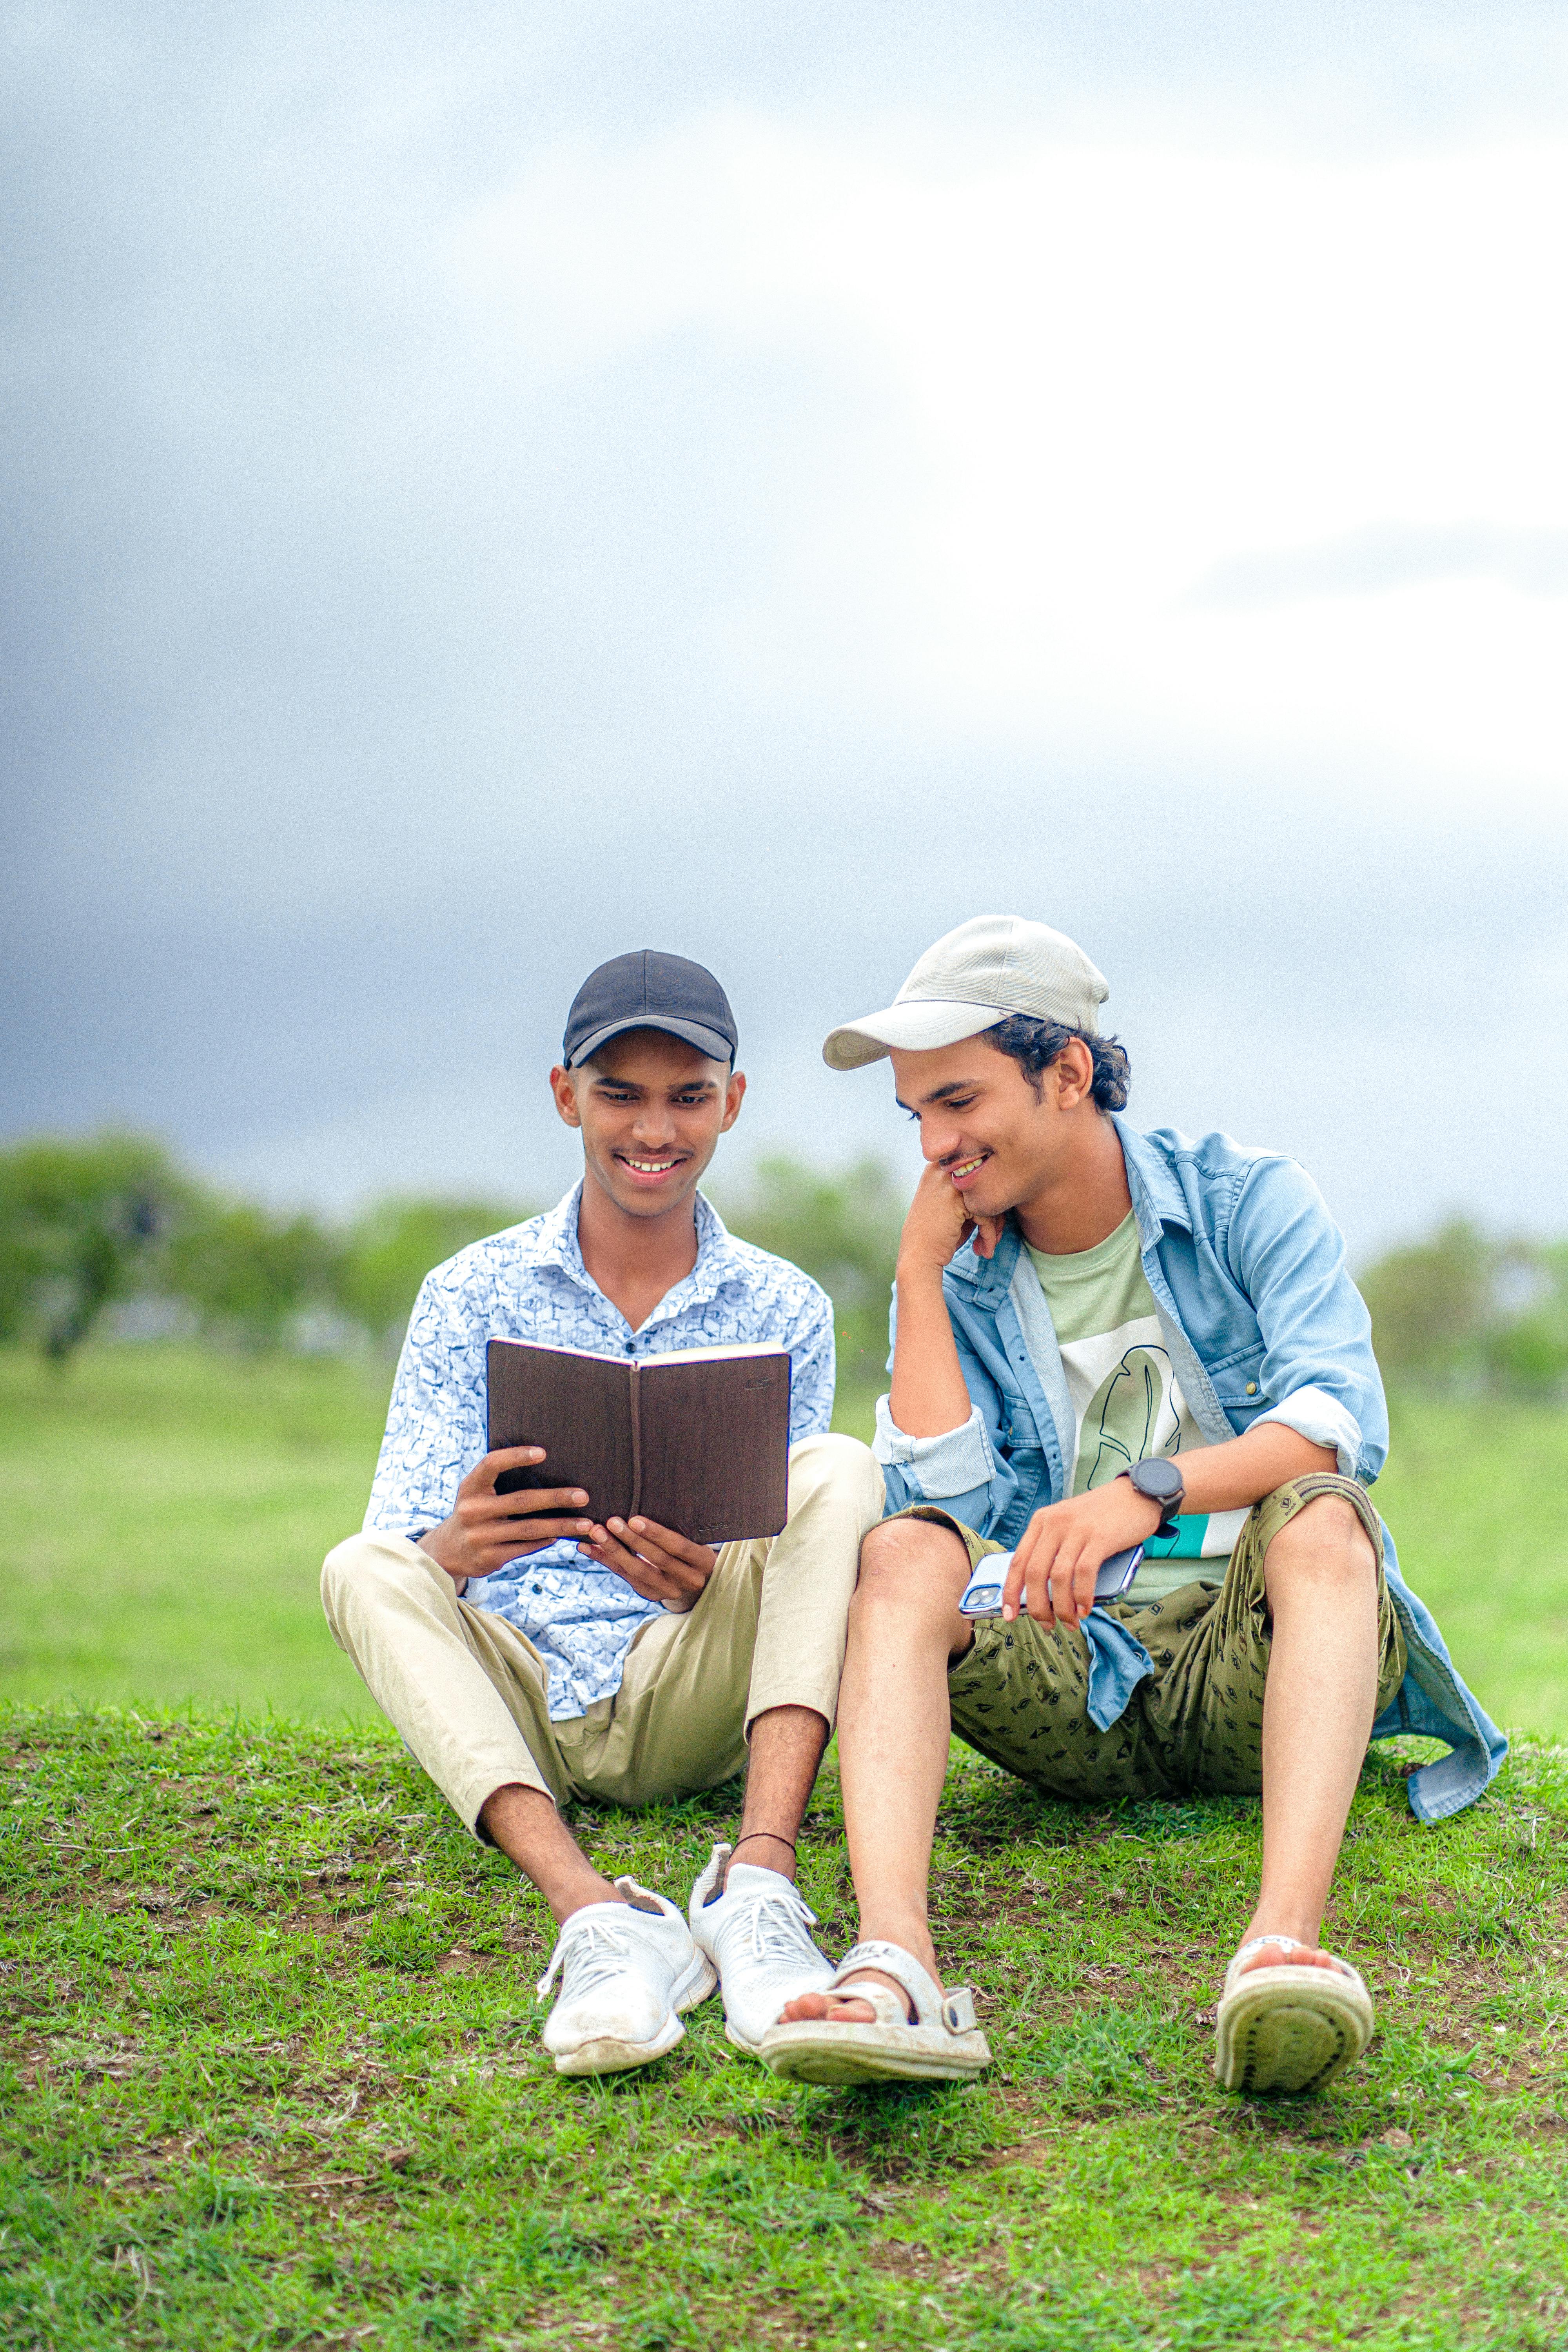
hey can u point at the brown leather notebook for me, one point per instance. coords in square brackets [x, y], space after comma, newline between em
[696, 1439]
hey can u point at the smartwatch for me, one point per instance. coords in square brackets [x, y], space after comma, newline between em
[1159, 1481]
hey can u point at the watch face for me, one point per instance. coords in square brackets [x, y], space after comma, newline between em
[1161, 1481]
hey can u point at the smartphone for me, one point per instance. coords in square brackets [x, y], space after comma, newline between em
[982, 1596]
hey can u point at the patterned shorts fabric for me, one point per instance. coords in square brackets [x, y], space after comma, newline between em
[1020, 1694]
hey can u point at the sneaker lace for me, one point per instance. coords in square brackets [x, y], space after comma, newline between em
[585, 1958]
[778, 1928]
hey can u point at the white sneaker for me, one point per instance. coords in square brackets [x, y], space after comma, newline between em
[756, 1934]
[626, 1972]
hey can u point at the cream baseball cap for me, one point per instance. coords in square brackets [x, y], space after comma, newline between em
[973, 978]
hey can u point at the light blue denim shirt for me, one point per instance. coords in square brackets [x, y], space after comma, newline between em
[1263, 1323]
[530, 1282]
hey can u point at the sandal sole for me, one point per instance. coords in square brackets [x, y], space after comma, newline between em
[844, 2054]
[1280, 2037]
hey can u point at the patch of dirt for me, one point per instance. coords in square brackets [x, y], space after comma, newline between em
[899, 2259]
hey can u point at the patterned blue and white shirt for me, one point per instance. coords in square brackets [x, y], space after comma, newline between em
[530, 1282]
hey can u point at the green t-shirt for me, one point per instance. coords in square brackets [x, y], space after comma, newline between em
[1126, 1401]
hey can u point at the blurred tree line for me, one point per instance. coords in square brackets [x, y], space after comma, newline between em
[1463, 1311]
[88, 1227]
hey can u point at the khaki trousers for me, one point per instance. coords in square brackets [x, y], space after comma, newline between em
[471, 1694]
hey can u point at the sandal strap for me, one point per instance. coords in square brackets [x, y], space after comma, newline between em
[893, 1960]
[933, 2006]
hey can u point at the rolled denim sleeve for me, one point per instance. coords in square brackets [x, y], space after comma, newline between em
[1323, 1420]
[960, 1466]
[954, 1469]
[1287, 1256]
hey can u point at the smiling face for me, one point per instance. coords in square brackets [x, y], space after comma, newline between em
[651, 1109]
[981, 1120]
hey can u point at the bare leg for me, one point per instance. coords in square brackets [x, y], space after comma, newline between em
[529, 1831]
[787, 1747]
[894, 1724]
[893, 1736]
[1321, 1581]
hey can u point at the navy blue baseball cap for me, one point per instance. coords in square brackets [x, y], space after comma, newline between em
[648, 990]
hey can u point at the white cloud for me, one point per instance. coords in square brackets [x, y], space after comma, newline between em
[1099, 374]
[1381, 557]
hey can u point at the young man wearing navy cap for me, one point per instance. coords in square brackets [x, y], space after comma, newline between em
[1105, 1339]
[529, 1652]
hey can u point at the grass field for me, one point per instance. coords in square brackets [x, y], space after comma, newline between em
[272, 2078]
[269, 2074]
[166, 1512]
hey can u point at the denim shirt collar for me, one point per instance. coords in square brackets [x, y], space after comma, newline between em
[1158, 1200]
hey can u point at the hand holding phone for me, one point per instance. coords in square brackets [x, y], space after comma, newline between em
[982, 1596]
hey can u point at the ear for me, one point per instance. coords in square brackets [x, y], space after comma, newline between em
[563, 1088]
[734, 1095]
[1073, 1071]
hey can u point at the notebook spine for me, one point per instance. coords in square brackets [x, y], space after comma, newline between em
[637, 1438]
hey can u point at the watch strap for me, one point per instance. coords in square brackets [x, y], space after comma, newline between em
[1167, 1525]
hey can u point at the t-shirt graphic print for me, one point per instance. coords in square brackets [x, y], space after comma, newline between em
[1127, 1401]
[1135, 1410]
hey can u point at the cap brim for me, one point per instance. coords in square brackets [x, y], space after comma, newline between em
[717, 1047]
[916, 1028]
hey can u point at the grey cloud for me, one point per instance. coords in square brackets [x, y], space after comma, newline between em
[1384, 556]
[358, 699]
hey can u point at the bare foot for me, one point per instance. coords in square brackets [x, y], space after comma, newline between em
[1305, 1956]
[839, 2006]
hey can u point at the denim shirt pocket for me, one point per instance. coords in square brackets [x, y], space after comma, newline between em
[1238, 1383]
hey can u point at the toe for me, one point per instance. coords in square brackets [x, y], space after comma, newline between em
[803, 2008]
[1272, 1955]
[838, 2009]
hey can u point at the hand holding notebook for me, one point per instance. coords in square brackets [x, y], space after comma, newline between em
[696, 1441]
[484, 1531]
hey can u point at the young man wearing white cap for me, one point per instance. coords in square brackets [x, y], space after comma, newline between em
[1106, 1339]
[529, 1651]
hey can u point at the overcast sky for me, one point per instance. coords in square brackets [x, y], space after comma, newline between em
[492, 485]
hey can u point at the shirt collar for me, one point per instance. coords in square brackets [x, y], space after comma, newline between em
[718, 1254]
[1157, 1197]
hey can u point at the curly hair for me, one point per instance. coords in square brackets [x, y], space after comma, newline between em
[1034, 1046]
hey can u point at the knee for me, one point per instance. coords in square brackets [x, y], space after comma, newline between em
[839, 1466]
[337, 1573]
[363, 1569]
[910, 1563]
[1326, 1543]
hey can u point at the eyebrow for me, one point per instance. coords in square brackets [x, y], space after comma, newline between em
[636, 1086]
[942, 1093]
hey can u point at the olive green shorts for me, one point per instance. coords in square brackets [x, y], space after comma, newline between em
[1020, 1694]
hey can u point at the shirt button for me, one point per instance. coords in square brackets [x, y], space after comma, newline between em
[1252, 1388]
[631, 1347]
